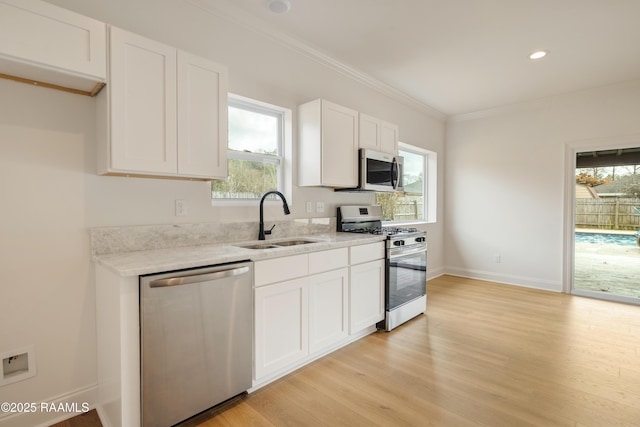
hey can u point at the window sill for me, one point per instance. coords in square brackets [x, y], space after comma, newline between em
[216, 203]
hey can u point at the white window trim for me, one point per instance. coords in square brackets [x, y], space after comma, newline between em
[430, 182]
[285, 178]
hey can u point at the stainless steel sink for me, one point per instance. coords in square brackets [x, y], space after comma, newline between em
[275, 245]
[259, 246]
[293, 242]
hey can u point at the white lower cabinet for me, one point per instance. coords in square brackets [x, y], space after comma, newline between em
[281, 325]
[366, 285]
[309, 304]
[328, 309]
[366, 295]
[301, 308]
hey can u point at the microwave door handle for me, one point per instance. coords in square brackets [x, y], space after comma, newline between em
[394, 173]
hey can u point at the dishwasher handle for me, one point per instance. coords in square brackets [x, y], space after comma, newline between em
[197, 278]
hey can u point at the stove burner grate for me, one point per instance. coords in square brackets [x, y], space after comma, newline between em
[389, 231]
[399, 230]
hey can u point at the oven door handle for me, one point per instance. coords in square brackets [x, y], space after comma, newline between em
[403, 252]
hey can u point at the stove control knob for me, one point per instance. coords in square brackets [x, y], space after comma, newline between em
[421, 239]
[399, 242]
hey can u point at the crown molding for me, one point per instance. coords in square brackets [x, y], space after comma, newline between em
[496, 111]
[237, 16]
[543, 102]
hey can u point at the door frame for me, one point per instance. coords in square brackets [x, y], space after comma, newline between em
[570, 150]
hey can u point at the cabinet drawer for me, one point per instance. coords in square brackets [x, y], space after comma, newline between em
[368, 252]
[280, 269]
[328, 260]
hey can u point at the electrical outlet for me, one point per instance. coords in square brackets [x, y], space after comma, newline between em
[497, 259]
[309, 207]
[319, 207]
[181, 207]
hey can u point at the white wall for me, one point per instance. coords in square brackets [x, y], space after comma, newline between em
[505, 181]
[47, 296]
[51, 195]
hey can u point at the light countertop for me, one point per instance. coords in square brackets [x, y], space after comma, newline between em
[138, 263]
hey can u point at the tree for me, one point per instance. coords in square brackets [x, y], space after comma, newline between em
[590, 180]
[630, 186]
[388, 201]
[247, 179]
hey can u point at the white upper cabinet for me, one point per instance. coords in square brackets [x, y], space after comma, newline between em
[44, 43]
[369, 132]
[143, 97]
[377, 134]
[202, 117]
[328, 145]
[388, 137]
[166, 109]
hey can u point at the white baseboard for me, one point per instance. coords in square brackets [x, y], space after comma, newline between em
[48, 411]
[526, 282]
[103, 419]
[432, 273]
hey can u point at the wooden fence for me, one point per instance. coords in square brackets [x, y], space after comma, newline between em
[612, 214]
[407, 210]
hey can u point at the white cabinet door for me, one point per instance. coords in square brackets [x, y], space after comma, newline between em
[369, 136]
[43, 42]
[143, 105]
[327, 145]
[339, 146]
[388, 137]
[202, 117]
[328, 308]
[167, 112]
[281, 325]
[378, 135]
[366, 295]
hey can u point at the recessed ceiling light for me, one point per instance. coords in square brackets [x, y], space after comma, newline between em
[538, 54]
[279, 6]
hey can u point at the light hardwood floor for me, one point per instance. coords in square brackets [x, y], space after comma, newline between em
[485, 354]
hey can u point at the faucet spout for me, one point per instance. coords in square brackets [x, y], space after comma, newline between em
[285, 207]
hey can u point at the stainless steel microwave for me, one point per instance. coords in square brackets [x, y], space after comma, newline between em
[379, 171]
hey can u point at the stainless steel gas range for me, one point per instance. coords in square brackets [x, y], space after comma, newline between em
[406, 260]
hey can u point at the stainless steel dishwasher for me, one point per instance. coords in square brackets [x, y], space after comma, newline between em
[196, 340]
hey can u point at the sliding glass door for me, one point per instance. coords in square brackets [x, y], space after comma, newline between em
[606, 252]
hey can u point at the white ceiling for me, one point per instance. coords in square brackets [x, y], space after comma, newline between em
[462, 56]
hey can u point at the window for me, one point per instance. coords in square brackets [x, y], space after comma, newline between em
[258, 146]
[418, 201]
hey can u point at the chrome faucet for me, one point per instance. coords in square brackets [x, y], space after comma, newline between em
[285, 207]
